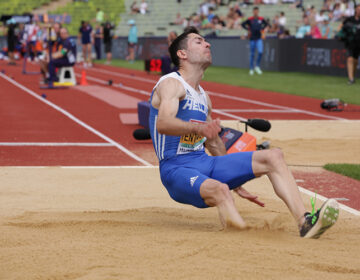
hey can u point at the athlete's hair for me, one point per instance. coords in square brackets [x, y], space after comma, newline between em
[180, 43]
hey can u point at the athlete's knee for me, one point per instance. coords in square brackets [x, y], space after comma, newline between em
[276, 157]
[215, 193]
[223, 191]
[277, 154]
[270, 158]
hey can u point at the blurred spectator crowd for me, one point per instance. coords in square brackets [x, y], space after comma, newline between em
[314, 24]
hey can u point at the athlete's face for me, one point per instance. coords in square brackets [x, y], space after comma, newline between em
[198, 50]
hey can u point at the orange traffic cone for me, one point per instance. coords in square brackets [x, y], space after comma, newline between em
[83, 81]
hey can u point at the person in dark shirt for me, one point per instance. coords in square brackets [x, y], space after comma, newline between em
[351, 28]
[255, 26]
[85, 35]
[108, 36]
[53, 44]
[65, 56]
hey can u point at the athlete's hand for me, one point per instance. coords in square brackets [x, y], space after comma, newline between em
[210, 129]
[245, 194]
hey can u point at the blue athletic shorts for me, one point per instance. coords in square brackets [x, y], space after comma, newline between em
[183, 175]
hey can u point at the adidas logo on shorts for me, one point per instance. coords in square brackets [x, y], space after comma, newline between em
[192, 180]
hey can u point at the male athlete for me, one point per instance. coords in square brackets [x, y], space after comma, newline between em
[180, 126]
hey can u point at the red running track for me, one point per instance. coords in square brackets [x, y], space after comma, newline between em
[25, 119]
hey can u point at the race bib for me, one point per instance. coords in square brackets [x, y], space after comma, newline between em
[191, 142]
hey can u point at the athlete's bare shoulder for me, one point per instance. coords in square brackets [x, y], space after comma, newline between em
[170, 88]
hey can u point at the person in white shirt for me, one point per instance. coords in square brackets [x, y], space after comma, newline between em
[319, 17]
[282, 19]
[349, 11]
[336, 14]
[143, 7]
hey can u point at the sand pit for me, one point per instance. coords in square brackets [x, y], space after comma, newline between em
[311, 142]
[119, 223]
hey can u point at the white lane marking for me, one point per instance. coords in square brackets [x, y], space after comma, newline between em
[143, 92]
[341, 199]
[119, 167]
[81, 123]
[256, 111]
[323, 198]
[122, 75]
[294, 110]
[85, 167]
[229, 115]
[53, 144]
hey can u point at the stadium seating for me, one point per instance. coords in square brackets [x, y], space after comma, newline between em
[81, 10]
[156, 22]
[162, 12]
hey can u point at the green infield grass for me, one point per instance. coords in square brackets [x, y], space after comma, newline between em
[136, 65]
[303, 84]
[349, 170]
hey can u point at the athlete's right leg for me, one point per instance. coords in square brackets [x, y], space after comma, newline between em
[215, 193]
